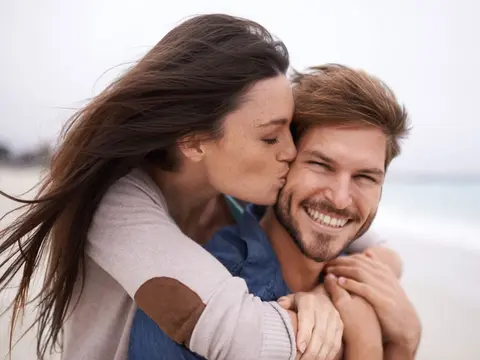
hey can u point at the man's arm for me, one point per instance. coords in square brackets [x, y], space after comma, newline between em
[398, 352]
[149, 342]
[378, 245]
[362, 333]
[389, 257]
[373, 281]
[363, 351]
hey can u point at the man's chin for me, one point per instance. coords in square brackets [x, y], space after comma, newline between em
[318, 254]
[329, 251]
[324, 256]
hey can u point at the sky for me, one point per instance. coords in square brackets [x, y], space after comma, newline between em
[56, 54]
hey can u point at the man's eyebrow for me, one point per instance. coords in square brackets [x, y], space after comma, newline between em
[319, 155]
[372, 171]
[274, 122]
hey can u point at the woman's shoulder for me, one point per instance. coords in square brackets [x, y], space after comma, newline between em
[136, 187]
[132, 199]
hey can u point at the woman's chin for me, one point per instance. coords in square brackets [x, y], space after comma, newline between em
[264, 201]
[267, 201]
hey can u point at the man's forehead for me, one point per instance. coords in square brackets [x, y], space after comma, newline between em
[353, 144]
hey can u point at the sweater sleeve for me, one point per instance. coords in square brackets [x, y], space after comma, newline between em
[178, 284]
[369, 239]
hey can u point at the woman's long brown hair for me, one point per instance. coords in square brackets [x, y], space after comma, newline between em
[187, 83]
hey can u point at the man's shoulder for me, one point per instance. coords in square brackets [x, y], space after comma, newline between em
[245, 251]
[228, 246]
[245, 242]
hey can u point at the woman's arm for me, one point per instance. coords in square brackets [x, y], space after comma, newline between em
[178, 284]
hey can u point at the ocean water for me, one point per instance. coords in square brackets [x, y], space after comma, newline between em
[438, 210]
[447, 212]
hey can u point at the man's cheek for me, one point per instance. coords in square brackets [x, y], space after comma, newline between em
[307, 183]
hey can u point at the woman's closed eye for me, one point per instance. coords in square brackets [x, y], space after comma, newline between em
[270, 141]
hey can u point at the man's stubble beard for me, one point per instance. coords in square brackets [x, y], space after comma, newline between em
[282, 210]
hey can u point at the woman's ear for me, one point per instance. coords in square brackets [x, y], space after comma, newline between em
[192, 147]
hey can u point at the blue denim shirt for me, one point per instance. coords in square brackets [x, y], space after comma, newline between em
[245, 251]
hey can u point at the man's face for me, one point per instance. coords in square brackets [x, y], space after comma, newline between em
[333, 188]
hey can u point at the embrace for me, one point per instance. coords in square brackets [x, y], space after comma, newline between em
[208, 206]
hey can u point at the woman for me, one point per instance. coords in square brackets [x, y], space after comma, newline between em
[140, 173]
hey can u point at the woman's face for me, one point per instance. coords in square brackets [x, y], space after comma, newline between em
[251, 160]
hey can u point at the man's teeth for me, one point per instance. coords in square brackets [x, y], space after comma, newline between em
[326, 219]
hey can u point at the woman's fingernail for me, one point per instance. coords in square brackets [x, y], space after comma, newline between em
[330, 276]
[282, 299]
[341, 281]
[302, 347]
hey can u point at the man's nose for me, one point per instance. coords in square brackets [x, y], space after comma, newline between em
[339, 192]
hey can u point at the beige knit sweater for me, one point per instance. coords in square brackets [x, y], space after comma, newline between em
[137, 256]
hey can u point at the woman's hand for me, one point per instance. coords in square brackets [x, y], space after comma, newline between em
[369, 278]
[362, 334]
[320, 328]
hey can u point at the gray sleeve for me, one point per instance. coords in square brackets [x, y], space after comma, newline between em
[369, 239]
[185, 290]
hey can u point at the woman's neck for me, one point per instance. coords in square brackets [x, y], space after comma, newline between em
[195, 206]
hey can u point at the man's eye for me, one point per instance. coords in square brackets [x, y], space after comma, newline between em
[325, 166]
[270, 141]
[368, 178]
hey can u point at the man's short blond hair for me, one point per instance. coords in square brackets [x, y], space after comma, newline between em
[336, 94]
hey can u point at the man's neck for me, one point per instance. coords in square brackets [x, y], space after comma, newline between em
[299, 272]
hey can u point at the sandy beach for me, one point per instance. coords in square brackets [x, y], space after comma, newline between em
[441, 280]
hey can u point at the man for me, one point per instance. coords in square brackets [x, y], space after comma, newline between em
[347, 127]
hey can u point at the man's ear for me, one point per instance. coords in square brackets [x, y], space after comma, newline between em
[192, 147]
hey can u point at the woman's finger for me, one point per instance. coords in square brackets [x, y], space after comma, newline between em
[340, 353]
[329, 346]
[337, 342]
[287, 302]
[318, 340]
[306, 321]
